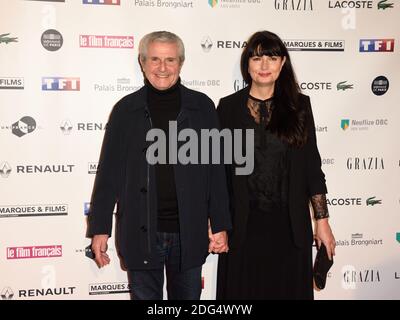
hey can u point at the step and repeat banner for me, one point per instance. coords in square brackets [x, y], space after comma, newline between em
[65, 63]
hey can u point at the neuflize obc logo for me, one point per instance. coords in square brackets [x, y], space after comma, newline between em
[212, 3]
[61, 84]
[345, 124]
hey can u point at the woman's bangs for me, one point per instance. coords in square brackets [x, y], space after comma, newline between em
[266, 49]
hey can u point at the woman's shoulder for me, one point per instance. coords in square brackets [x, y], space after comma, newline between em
[304, 103]
[232, 99]
[304, 99]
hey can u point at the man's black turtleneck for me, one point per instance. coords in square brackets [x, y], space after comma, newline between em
[164, 106]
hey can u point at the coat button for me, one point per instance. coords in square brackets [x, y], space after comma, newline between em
[145, 262]
[143, 190]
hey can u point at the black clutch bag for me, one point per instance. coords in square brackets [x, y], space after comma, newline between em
[322, 265]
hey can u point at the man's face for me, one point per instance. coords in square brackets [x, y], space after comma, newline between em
[162, 65]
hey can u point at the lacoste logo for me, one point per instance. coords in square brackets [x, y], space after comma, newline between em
[343, 86]
[4, 38]
[371, 201]
[383, 5]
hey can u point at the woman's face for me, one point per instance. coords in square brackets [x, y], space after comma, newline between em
[265, 70]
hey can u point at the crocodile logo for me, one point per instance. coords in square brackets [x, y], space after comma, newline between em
[383, 5]
[371, 201]
[343, 86]
[4, 38]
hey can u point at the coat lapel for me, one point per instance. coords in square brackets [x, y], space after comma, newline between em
[188, 104]
[239, 182]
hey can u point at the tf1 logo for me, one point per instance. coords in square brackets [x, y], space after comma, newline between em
[60, 84]
[376, 45]
[111, 2]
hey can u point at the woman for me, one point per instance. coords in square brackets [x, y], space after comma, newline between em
[270, 247]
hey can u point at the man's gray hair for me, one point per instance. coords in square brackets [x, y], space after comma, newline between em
[161, 36]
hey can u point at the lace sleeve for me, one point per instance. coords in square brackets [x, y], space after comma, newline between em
[320, 206]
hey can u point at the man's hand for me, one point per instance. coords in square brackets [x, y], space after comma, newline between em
[99, 248]
[218, 241]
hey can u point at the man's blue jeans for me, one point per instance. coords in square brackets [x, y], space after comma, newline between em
[181, 285]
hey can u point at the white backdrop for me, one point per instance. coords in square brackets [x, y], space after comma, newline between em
[58, 83]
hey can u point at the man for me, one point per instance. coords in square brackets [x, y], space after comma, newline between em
[163, 209]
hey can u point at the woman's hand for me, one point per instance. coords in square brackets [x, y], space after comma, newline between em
[323, 233]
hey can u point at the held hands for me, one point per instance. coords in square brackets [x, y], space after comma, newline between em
[218, 241]
[323, 233]
[99, 248]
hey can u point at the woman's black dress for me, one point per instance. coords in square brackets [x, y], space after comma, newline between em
[268, 265]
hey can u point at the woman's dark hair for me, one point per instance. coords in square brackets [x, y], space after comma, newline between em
[288, 120]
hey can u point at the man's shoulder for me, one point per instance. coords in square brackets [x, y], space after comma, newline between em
[132, 97]
[131, 101]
